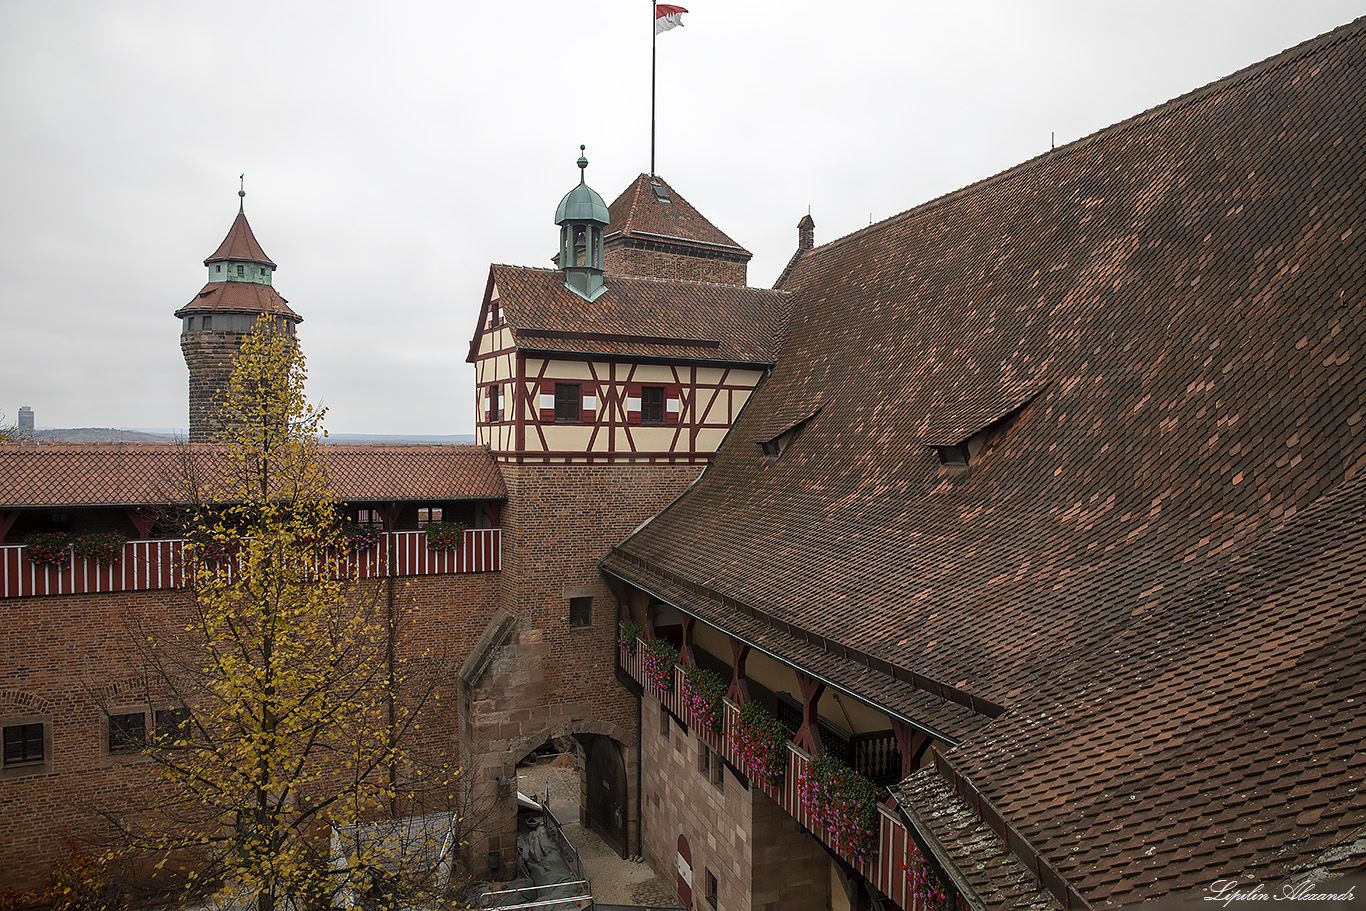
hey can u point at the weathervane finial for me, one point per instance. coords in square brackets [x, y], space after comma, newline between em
[242, 192]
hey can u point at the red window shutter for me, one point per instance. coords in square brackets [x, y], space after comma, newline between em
[548, 401]
[673, 404]
[633, 403]
[588, 403]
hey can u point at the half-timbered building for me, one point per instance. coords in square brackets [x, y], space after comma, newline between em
[1058, 544]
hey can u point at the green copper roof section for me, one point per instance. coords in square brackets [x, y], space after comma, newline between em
[582, 203]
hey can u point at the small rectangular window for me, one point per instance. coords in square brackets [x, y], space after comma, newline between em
[127, 731]
[704, 760]
[427, 514]
[567, 403]
[171, 725]
[718, 772]
[663, 722]
[581, 611]
[712, 888]
[208, 322]
[241, 270]
[493, 404]
[652, 405]
[23, 743]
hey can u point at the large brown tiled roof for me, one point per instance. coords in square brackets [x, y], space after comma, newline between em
[238, 297]
[642, 317]
[150, 474]
[240, 244]
[1172, 309]
[638, 212]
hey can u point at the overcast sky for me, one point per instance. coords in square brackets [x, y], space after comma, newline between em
[393, 150]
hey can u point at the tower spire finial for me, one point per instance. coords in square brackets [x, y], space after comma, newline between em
[583, 164]
[242, 192]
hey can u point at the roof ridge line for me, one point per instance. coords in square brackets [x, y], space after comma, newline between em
[1282, 58]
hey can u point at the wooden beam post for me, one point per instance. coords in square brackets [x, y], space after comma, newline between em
[142, 519]
[7, 517]
[809, 734]
[685, 654]
[912, 745]
[738, 692]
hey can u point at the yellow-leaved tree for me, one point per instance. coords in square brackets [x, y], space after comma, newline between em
[284, 700]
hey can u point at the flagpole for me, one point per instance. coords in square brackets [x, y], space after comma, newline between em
[654, 10]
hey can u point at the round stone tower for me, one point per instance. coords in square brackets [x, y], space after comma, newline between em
[214, 324]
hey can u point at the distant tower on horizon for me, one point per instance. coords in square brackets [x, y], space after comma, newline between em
[214, 324]
[25, 419]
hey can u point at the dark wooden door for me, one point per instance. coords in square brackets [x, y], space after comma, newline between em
[607, 792]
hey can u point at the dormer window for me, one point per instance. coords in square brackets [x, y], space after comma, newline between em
[784, 427]
[953, 455]
[241, 270]
[959, 437]
[218, 267]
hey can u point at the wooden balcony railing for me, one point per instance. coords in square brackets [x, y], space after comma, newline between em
[160, 564]
[896, 856]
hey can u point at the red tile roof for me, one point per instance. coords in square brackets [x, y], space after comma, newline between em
[238, 297]
[638, 212]
[149, 474]
[1156, 568]
[642, 317]
[240, 244]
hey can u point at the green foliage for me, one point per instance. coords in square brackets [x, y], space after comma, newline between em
[657, 661]
[444, 535]
[761, 744]
[298, 699]
[703, 691]
[630, 635]
[104, 548]
[48, 548]
[844, 803]
[359, 536]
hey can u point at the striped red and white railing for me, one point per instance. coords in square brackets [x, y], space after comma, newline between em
[160, 564]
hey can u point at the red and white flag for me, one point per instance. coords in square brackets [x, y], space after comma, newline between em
[667, 16]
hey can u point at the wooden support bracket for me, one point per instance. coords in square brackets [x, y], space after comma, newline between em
[809, 734]
[738, 692]
[912, 745]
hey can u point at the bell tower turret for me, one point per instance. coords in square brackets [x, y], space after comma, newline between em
[582, 217]
[213, 325]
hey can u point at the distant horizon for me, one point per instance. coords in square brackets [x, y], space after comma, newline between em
[332, 436]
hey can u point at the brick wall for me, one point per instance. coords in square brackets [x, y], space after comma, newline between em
[654, 259]
[62, 657]
[759, 854]
[552, 679]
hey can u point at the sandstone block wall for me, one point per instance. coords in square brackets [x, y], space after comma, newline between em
[759, 854]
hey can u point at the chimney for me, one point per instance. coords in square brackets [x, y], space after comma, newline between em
[806, 233]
